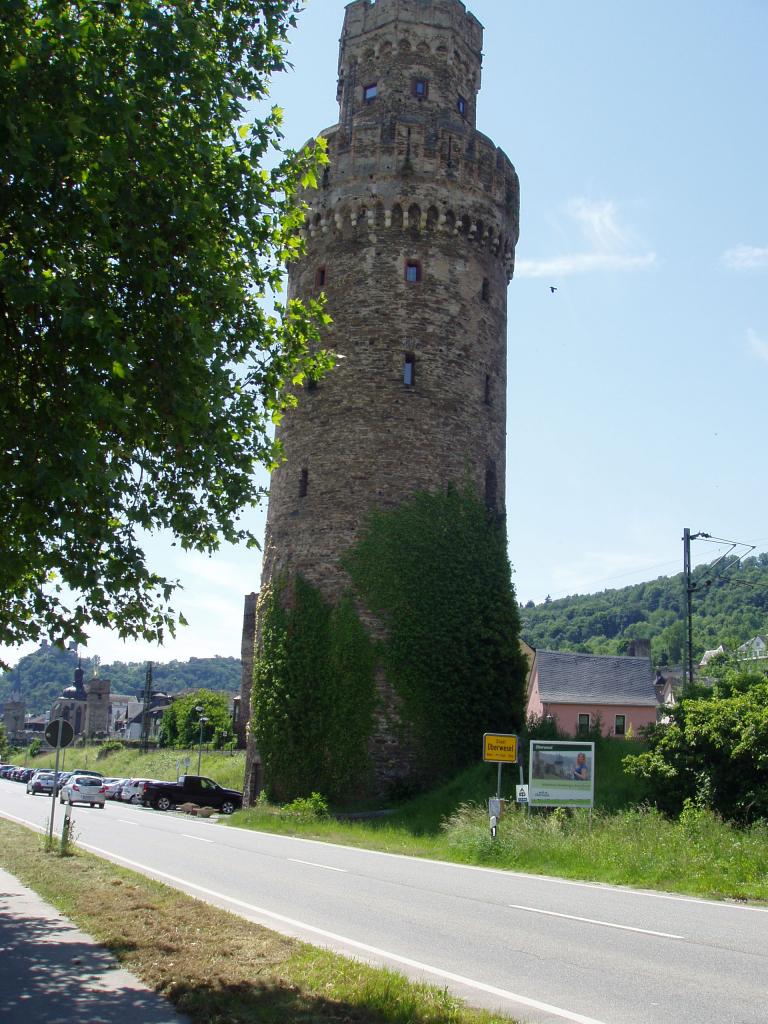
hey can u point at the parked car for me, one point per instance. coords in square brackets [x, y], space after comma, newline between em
[87, 771]
[5, 771]
[62, 779]
[132, 790]
[113, 787]
[40, 782]
[194, 789]
[83, 789]
[24, 774]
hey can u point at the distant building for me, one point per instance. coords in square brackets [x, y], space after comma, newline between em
[85, 705]
[578, 690]
[14, 710]
[753, 649]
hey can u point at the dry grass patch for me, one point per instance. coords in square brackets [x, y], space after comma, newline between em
[214, 966]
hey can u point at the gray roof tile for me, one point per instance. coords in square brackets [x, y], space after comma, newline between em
[566, 677]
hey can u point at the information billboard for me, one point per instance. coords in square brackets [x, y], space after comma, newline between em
[561, 773]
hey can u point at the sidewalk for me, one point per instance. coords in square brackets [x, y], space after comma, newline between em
[52, 973]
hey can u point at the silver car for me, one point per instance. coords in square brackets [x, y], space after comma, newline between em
[83, 789]
[41, 782]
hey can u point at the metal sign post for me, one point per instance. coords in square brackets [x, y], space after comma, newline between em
[500, 748]
[58, 733]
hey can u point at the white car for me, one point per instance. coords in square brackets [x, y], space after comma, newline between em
[132, 790]
[83, 789]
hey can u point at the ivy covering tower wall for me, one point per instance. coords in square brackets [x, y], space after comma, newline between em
[434, 572]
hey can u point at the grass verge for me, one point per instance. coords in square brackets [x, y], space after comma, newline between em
[215, 967]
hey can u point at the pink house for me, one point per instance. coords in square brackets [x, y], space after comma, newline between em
[575, 689]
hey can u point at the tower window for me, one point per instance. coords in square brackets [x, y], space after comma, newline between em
[412, 271]
[409, 369]
[320, 277]
[487, 398]
[485, 291]
[370, 92]
[491, 485]
[303, 483]
[461, 106]
[420, 88]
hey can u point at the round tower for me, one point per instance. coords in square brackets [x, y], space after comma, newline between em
[411, 237]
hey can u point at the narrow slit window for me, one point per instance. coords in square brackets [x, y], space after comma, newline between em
[320, 276]
[461, 106]
[487, 398]
[420, 88]
[491, 485]
[412, 271]
[485, 291]
[370, 92]
[303, 483]
[409, 369]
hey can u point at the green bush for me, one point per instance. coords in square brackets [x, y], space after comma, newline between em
[110, 747]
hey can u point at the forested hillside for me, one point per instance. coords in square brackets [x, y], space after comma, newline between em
[44, 673]
[730, 606]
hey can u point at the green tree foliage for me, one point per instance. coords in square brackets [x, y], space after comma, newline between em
[730, 606]
[44, 673]
[713, 751]
[313, 695]
[435, 571]
[180, 726]
[139, 370]
[3, 741]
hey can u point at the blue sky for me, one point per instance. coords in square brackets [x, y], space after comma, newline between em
[637, 391]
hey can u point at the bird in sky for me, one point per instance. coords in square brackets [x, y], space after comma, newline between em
[552, 288]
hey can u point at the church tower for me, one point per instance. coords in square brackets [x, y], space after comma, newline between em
[411, 237]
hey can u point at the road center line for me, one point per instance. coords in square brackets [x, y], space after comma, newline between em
[313, 864]
[590, 920]
[127, 821]
[534, 1004]
[198, 838]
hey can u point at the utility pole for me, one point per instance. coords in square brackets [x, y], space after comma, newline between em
[689, 589]
[146, 707]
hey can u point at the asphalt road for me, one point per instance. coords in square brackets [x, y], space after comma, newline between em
[541, 949]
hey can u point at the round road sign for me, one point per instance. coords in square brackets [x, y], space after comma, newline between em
[59, 733]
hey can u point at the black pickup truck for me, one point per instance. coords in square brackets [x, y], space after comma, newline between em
[190, 789]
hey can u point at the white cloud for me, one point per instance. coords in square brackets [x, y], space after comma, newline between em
[758, 345]
[609, 244]
[746, 257]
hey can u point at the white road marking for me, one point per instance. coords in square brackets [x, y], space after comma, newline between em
[127, 821]
[313, 864]
[534, 1004]
[605, 887]
[591, 920]
[186, 835]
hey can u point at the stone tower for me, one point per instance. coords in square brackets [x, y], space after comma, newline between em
[411, 236]
[97, 707]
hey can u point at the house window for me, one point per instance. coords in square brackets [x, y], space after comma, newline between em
[583, 725]
[620, 726]
[412, 271]
[485, 291]
[461, 106]
[409, 369]
[420, 88]
[370, 92]
[303, 483]
[320, 277]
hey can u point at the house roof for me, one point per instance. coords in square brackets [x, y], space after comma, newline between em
[566, 677]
